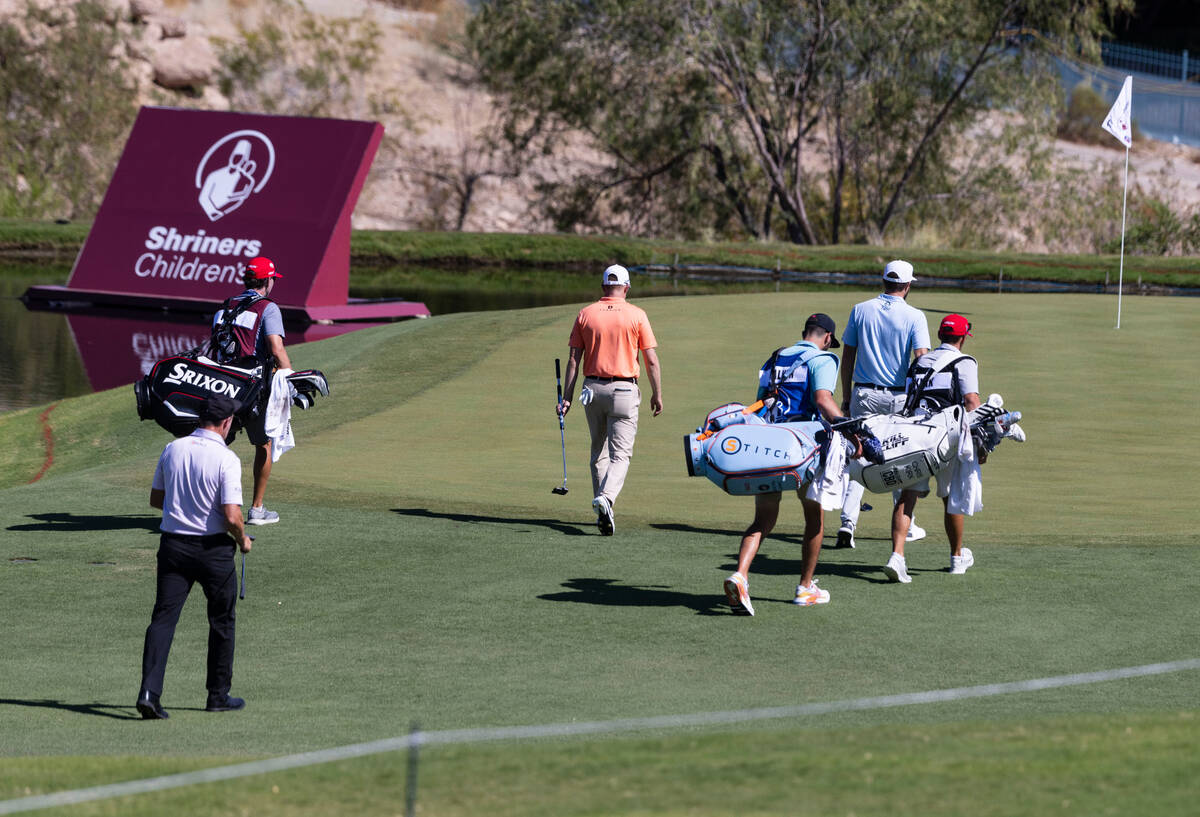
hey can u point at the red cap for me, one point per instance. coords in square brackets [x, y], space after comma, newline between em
[261, 267]
[955, 326]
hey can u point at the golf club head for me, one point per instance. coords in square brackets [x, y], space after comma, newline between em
[560, 490]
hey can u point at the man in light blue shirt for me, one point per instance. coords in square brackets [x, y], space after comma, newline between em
[882, 336]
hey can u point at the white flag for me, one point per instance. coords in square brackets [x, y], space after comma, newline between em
[1119, 121]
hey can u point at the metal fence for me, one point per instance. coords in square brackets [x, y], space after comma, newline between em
[1150, 61]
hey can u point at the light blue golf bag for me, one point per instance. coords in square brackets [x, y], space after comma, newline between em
[743, 455]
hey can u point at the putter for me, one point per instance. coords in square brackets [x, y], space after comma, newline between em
[562, 433]
[242, 592]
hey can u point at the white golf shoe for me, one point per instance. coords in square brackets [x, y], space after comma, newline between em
[604, 516]
[959, 564]
[915, 532]
[897, 570]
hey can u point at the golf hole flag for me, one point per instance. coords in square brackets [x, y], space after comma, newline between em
[1119, 121]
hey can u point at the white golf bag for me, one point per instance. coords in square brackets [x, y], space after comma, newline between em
[742, 454]
[910, 449]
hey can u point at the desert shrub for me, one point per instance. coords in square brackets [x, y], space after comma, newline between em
[1153, 228]
[295, 62]
[66, 107]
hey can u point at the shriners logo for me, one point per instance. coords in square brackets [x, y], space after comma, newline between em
[229, 174]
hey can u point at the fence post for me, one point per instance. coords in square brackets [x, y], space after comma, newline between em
[1000, 282]
[777, 274]
[414, 754]
[1183, 77]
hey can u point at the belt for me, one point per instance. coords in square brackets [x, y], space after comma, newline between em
[610, 379]
[878, 388]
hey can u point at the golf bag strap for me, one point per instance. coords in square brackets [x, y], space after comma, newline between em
[227, 326]
[779, 380]
[920, 381]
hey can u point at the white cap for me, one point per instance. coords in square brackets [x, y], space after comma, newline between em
[899, 271]
[615, 276]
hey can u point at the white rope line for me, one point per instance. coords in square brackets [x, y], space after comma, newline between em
[482, 735]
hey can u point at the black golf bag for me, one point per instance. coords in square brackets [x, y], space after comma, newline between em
[171, 394]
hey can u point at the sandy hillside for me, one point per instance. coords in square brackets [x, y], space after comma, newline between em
[433, 133]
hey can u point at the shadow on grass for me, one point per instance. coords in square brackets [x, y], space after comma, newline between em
[766, 565]
[119, 713]
[69, 522]
[677, 527]
[609, 593]
[829, 542]
[553, 524]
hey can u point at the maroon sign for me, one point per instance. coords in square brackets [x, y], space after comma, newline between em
[197, 194]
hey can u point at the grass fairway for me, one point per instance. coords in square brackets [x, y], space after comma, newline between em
[423, 572]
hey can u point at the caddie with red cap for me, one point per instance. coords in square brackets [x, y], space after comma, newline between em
[954, 326]
[942, 378]
[248, 330]
[260, 268]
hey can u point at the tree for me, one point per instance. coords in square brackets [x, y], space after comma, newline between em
[65, 109]
[810, 118]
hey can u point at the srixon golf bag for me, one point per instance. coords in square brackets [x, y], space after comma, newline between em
[743, 455]
[171, 394]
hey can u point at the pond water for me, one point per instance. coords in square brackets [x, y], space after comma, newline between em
[46, 356]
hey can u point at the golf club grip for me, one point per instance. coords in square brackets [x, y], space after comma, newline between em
[558, 378]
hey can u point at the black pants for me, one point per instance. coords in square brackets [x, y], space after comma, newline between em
[182, 561]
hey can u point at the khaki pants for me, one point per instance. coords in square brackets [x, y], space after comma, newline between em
[612, 417]
[862, 403]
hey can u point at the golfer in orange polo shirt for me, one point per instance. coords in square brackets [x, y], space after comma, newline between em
[607, 337]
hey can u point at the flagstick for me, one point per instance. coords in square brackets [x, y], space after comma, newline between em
[1121, 271]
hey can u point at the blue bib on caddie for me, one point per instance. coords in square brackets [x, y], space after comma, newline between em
[785, 376]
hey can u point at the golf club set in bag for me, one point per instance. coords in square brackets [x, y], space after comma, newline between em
[743, 454]
[171, 394]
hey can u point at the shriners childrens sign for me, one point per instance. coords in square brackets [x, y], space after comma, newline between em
[226, 176]
[197, 194]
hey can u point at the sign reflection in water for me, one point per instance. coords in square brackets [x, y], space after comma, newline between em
[113, 349]
[116, 351]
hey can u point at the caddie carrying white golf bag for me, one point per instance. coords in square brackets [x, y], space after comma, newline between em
[742, 454]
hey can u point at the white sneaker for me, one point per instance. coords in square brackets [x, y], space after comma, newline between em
[959, 564]
[897, 570]
[845, 537]
[915, 532]
[261, 516]
[812, 594]
[1016, 433]
[737, 593]
[604, 516]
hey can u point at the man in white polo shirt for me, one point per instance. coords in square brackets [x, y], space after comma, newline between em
[198, 486]
[882, 336]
